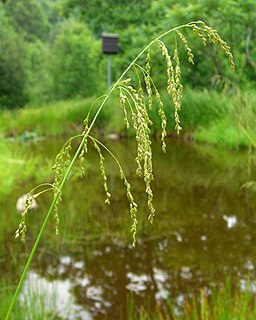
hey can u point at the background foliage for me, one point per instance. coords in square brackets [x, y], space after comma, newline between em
[51, 49]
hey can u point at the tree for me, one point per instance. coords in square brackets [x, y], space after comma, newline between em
[12, 65]
[28, 18]
[75, 61]
[106, 15]
[236, 22]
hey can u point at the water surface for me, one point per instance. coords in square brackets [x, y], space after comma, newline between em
[204, 231]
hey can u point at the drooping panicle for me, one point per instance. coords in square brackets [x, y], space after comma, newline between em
[123, 100]
[214, 38]
[169, 69]
[103, 172]
[186, 46]
[174, 87]
[148, 81]
[22, 229]
[200, 33]
[133, 206]
[62, 161]
[177, 96]
[84, 149]
[141, 125]
[163, 119]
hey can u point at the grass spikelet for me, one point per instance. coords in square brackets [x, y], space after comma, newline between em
[139, 140]
[123, 99]
[214, 38]
[22, 229]
[82, 159]
[103, 172]
[141, 124]
[199, 32]
[186, 46]
[29, 201]
[161, 112]
[84, 150]
[133, 207]
[163, 120]
[148, 81]
[133, 204]
[169, 68]
[174, 87]
[177, 94]
[62, 160]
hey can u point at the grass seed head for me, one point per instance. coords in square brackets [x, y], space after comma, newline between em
[147, 79]
[186, 46]
[103, 173]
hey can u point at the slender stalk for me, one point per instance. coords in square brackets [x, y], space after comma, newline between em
[79, 148]
[248, 136]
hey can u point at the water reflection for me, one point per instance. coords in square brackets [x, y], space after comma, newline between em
[56, 296]
[231, 221]
[204, 231]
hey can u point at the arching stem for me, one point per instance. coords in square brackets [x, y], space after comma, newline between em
[69, 168]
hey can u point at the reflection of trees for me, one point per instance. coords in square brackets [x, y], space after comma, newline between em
[192, 193]
[189, 265]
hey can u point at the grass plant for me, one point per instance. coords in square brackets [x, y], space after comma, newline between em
[45, 121]
[136, 98]
[222, 303]
[37, 302]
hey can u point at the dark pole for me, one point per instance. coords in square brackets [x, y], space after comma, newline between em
[109, 71]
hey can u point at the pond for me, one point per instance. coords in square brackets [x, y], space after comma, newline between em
[204, 231]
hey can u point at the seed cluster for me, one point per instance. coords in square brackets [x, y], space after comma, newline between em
[62, 160]
[163, 120]
[186, 46]
[133, 207]
[148, 81]
[141, 125]
[84, 150]
[22, 229]
[177, 94]
[174, 87]
[123, 100]
[103, 172]
[214, 38]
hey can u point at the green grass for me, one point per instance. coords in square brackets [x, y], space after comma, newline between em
[207, 116]
[223, 303]
[36, 303]
[17, 165]
[235, 113]
[224, 132]
[51, 120]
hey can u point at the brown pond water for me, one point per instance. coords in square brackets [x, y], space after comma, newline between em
[204, 232]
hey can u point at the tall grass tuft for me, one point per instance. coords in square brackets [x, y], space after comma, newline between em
[222, 303]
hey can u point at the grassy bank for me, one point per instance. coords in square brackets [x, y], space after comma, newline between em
[37, 302]
[215, 304]
[16, 166]
[207, 116]
[222, 303]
